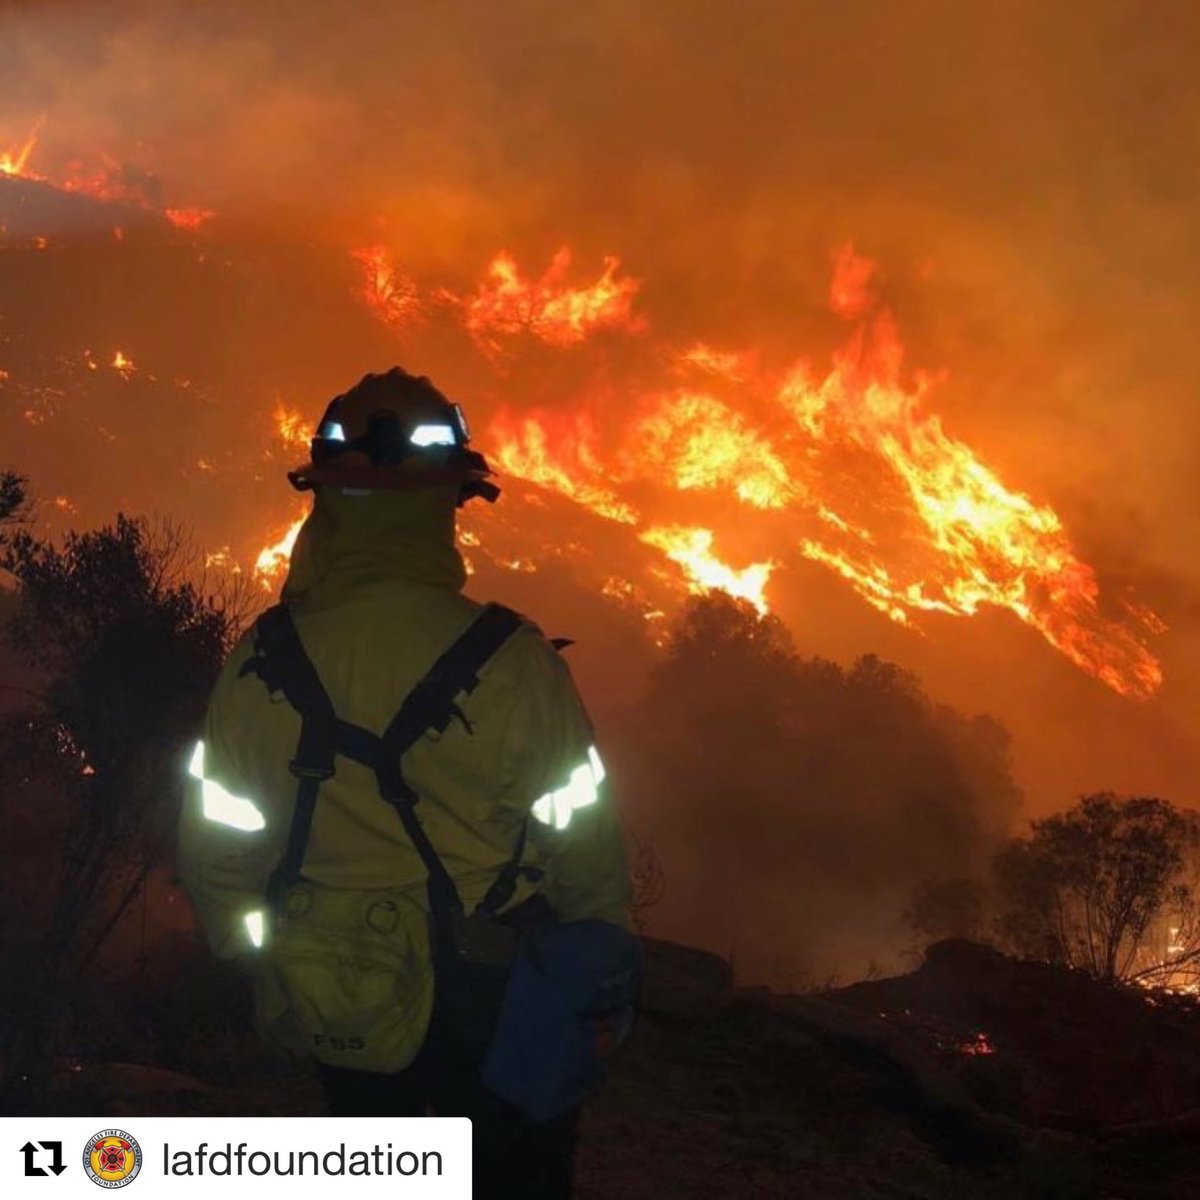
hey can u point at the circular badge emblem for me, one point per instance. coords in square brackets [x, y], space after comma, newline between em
[112, 1158]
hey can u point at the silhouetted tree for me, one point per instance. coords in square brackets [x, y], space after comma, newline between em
[1109, 887]
[128, 649]
[796, 802]
[13, 497]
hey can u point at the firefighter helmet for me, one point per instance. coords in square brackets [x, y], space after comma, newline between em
[394, 432]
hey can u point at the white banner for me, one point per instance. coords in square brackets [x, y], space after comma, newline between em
[158, 1158]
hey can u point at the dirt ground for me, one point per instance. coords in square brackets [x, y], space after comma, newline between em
[973, 1077]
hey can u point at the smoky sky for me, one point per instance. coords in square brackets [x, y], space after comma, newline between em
[1025, 175]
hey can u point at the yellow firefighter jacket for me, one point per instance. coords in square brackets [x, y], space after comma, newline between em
[374, 592]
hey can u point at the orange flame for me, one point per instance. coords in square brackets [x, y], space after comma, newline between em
[102, 178]
[15, 162]
[692, 550]
[702, 443]
[981, 542]
[108, 181]
[222, 560]
[123, 365]
[292, 428]
[390, 294]
[507, 304]
[272, 561]
[524, 451]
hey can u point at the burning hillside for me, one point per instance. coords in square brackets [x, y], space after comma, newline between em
[894, 346]
[847, 466]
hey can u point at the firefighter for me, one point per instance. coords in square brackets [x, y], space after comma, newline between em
[396, 790]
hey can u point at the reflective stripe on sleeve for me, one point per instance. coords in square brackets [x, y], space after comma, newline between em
[221, 806]
[581, 790]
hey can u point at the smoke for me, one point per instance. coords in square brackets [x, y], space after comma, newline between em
[795, 805]
[1025, 175]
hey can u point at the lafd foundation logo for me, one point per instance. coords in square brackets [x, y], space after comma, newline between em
[112, 1158]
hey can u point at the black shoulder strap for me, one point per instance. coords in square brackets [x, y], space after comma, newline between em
[281, 662]
[283, 665]
[432, 705]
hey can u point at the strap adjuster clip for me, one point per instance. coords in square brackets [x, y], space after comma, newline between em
[308, 771]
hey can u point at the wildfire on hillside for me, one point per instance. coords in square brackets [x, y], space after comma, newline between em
[102, 178]
[936, 530]
[845, 465]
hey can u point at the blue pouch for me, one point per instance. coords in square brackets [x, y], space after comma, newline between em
[543, 1057]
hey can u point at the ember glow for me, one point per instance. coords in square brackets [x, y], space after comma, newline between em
[977, 1045]
[188, 218]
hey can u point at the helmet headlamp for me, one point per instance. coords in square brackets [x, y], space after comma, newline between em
[395, 430]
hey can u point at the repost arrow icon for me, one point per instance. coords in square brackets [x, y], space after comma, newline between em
[29, 1150]
[56, 1151]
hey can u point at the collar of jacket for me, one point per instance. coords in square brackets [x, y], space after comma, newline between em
[351, 541]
